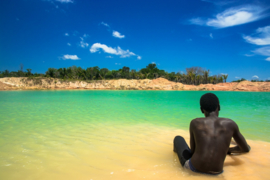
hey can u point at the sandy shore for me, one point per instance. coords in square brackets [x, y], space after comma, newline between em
[124, 84]
[115, 152]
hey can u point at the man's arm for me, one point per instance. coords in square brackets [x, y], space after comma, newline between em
[192, 140]
[242, 145]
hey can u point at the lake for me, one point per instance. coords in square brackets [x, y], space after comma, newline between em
[82, 134]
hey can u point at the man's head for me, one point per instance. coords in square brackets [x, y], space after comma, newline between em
[209, 102]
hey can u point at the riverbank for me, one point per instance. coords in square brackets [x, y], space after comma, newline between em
[23, 83]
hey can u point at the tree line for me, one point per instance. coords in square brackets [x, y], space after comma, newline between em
[193, 75]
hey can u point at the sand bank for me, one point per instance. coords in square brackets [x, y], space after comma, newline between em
[123, 84]
[113, 151]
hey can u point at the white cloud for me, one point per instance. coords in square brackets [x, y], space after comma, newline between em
[248, 55]
[105, 24]
[153, 62]
[68, 44]
[267, 59]
[139, 57]
[109, 57]
[117, 63]
[117, 35]
[71, 57]
[116, 51]
[263, 37]
[83, 44]
[211, 35]
[264, 51]
[223, 73]
[255, 76]
[66, 34]
[85, 35]
[65, 1]
[237, 77]
[232, 17]
[197, 21]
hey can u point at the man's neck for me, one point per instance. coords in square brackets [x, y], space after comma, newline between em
[211, 114]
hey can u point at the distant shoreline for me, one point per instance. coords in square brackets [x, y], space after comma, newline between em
[23, 83]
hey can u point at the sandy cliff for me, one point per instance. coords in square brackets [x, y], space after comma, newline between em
[123, 84]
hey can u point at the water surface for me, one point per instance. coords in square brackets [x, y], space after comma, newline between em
[119, 134]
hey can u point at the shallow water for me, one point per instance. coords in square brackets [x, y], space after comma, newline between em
[120, 134]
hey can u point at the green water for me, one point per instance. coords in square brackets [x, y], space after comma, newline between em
[28, 111]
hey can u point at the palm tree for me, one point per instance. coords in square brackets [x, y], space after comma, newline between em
[225, 76]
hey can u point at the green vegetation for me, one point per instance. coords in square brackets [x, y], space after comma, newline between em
[193, 75]
[254, 80]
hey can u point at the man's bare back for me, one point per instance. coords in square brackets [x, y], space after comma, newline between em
[210, 138]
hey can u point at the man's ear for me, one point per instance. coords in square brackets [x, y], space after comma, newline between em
[218, 107]
[202, 110]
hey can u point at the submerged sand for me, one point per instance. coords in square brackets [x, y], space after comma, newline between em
[114, 151]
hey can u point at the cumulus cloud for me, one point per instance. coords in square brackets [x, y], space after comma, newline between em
[70, 57]
[139, 57]
[267, 59]
[116, 51]
[65, 1]
[255, 76]
[117, 35]
[232, 17]
[66, 34]
[109, 57]
[262, 38]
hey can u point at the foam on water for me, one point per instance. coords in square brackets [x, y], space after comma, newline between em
[118, 134]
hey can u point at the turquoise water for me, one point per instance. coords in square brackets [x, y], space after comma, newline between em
[53, 109]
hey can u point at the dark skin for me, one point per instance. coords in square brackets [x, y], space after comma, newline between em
[210, 139]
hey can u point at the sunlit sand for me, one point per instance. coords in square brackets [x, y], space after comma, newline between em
[110, 151]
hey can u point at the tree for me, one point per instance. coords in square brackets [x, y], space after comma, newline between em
[103, 72]
[125, 72]
[225, 76]
[151, 66]
[28, 72]
[114, 74]
[205, 76]
[51, 72]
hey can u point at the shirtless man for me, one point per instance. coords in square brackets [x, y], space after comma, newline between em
[210, 139]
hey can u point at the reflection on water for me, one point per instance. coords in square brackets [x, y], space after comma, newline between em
[106, 151]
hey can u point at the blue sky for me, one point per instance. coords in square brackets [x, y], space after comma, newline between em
[230, 37]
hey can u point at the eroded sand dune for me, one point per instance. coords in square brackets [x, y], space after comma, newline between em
[124, 84]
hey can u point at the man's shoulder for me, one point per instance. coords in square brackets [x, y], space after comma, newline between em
[222, 120]
[227, 121]
[197, 121]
